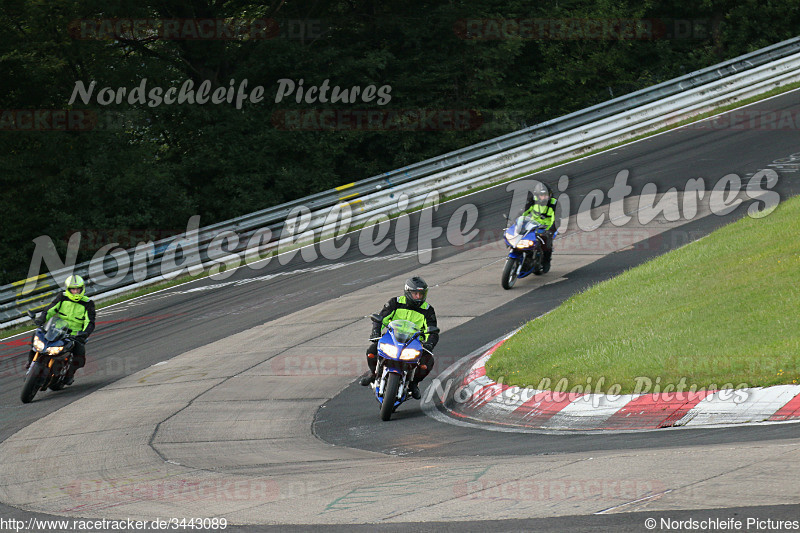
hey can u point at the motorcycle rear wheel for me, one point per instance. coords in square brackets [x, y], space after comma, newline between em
[510, 273]
[390, 396]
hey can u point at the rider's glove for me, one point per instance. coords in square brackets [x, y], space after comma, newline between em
[81, 336]
[428, 346]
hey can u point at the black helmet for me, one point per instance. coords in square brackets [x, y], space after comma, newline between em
[541, 194]
[416, 290]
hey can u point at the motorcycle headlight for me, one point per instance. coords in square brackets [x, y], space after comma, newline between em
[409, 354]
[54, 350]
[525, 243]
[389, 349]
[38, 345]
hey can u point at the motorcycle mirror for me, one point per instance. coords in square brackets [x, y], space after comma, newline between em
[31, 314]
[375, 317]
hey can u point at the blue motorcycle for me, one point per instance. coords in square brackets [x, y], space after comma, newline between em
[525, 238]
[52, 355]
[399, 352]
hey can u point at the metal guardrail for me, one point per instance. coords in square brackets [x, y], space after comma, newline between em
[485, 162]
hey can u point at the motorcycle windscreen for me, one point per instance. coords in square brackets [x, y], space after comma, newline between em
[57, 328]
[524, 225]
[403, 330]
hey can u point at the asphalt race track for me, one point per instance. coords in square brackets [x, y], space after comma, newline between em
[133, 336]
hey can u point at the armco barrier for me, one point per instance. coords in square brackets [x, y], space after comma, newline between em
[483, 163]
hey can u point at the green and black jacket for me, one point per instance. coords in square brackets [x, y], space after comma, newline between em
[79, 315]
[423, 316]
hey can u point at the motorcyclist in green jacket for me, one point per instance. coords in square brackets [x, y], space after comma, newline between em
[411, 306]
[542, 208]
[78, 311]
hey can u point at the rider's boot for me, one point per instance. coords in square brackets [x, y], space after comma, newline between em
[367, 379]
[372, 363]
[70, 377]
[546, 262]
[413, 387]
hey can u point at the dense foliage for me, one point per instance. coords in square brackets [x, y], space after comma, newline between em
[143, 171]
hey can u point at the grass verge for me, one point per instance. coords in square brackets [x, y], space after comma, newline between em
[721, 312]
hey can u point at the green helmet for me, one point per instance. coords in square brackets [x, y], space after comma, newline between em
[75, 282]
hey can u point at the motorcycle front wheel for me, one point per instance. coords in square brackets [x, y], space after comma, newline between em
[510, 273]
[390, 395]
[32, 383]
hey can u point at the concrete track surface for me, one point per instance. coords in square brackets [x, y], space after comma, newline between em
[235, 398]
